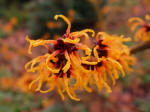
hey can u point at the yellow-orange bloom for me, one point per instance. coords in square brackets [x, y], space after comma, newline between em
[112, 57]
[143, 31]
[60, 64]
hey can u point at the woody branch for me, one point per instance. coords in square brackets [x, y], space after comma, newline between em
[140, 47]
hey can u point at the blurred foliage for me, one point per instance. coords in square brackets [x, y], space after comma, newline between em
[13, 8]
[4, 72]
[8, 10]
[143, 105]
[16, 102]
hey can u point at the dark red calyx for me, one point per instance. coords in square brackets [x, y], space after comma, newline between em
[147, 27]
[62, 46]
[102, 49]
[99, 64]
[102, 52]
[100, 44]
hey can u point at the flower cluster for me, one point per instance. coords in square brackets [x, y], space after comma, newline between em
[143, 33]
[63, 68]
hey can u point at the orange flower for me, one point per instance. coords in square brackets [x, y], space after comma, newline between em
[143, 33]
[60, 64]
[112, 57]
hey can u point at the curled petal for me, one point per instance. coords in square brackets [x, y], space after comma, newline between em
[88, 30]
[49, 90]
[67, 66]
[86, 49]
[79, 34]
[71, 41]
[106, 85]
[118, 65]
[68, 89]
[95, 52]
[34, 62]
[49, 58]
[89, 63]
[35, 43]
[66, 20]
[77, 64]
[83, 33]
[59, 90]
[34, 81]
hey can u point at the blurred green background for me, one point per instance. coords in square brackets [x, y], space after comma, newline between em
[35, 18]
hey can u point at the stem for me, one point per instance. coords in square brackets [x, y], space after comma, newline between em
[140, 47]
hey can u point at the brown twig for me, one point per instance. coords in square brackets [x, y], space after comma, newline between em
[140, 47]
